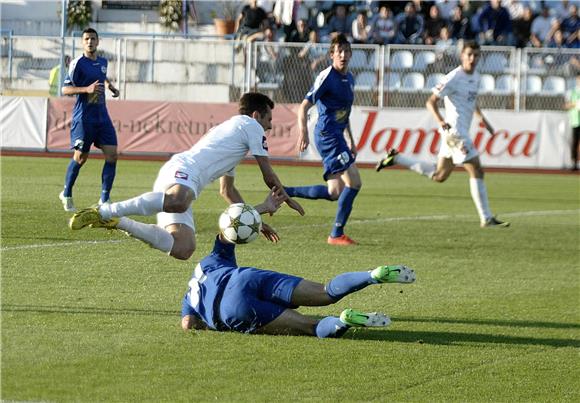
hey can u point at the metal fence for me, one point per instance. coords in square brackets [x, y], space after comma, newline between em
[166, 67]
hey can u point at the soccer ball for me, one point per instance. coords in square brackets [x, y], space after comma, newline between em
[240, 223]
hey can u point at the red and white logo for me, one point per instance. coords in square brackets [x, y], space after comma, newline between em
[181, 175]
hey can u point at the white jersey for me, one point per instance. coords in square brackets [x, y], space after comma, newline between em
[459, 93]
[219, 151]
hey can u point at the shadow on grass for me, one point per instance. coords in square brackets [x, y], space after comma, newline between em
[452, 338]
[405, 336]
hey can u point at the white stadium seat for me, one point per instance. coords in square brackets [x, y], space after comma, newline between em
[486, 84]
[366, 81]
[392, 81]
[413, 82]
[358, 60]
[533, 84]
[495, 63]
[433, 80]
[554, 85]
[402, 59]
[423, 60]
[504, 84]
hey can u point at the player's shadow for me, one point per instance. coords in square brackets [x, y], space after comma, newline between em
[452, 337]
[87, 310]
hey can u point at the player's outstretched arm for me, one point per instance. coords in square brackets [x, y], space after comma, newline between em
[112, 88]
[480, 116]
[271, 179]
[303, 140]
[432, 107]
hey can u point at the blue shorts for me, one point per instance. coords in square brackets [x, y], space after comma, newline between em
[336, 155]
[85, 134]
[253, 298]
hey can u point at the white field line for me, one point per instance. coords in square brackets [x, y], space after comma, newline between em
[352, 222]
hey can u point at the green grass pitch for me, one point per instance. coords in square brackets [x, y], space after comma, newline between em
[494, 315]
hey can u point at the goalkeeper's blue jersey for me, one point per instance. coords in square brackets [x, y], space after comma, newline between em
[81, 73]
[333, 95]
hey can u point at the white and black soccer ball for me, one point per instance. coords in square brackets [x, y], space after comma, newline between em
[240, 223]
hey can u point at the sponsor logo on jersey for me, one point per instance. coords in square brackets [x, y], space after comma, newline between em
[104, 69]
[181, 175]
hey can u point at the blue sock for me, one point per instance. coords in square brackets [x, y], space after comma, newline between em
[345, 202]
[72, 171]
[309, 192]
[108, 176]
[347, 283]
[331, 326]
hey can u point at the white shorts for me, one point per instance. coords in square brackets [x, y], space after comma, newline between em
[457, 154]
[173, 173]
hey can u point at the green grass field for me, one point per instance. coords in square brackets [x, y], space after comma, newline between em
[494, 315]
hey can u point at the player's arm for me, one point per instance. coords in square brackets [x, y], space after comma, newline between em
[229, 191]
[231, 195]
[480, 116]
[350, 139]
[271, 180]
[434, 109]
[89, 89]
[112, 88]
[303, 139]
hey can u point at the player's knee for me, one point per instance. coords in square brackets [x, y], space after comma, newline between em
[334, 193]
[182, 249]
[173, 203]
[112, 157]
[81, 159]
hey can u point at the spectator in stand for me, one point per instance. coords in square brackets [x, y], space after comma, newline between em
[54, 82]
[384, 28]
[573, 41]
[446, 8]
[557, 40]
[560, 10]
[251, 20]
[515, 8]
[268, 56]
[542, 28]
[433, 25]
[301, 34]
[339, 23]
[495, 25]
[360, 28]
[409, 25]
[460, 26]
[570, 24]
[522, 28]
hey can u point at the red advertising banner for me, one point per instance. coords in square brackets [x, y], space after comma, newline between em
[147, 127]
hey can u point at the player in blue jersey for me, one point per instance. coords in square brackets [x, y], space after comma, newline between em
[225, 297]
[333, 94]
[91, 124]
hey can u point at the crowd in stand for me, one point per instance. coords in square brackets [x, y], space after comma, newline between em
[497, 22]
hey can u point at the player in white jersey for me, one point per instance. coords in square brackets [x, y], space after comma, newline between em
[459, 93]
[182, 178]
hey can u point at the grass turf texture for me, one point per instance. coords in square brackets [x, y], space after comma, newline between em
[494, 315]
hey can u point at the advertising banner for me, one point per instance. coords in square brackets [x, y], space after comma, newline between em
[147, 127]
[23, 123]
[523, 140]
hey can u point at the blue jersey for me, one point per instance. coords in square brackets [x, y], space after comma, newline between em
[81, 73]
[228, 297]
[333, 95]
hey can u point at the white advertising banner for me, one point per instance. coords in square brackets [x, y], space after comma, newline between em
[23, 123]
[522, 140]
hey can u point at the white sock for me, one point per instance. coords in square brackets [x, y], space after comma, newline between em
[151, 234]
[423, 168]
[479, 196]
[147, 204]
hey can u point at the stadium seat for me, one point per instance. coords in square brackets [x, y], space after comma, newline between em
[533, 84]
[366, 81]
[423, 60]
[494, 63]
[554, 85]
[392, 81]
[358, 60]
[504, 84]
[413, 82]
[433, 80]
[486, 84]
[536, 64]
[401, 60]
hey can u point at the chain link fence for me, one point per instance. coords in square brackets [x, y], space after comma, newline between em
[208, 70]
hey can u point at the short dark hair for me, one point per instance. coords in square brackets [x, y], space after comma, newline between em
[470, 45]
[338, 40]
[90, 31]
[254, 101]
